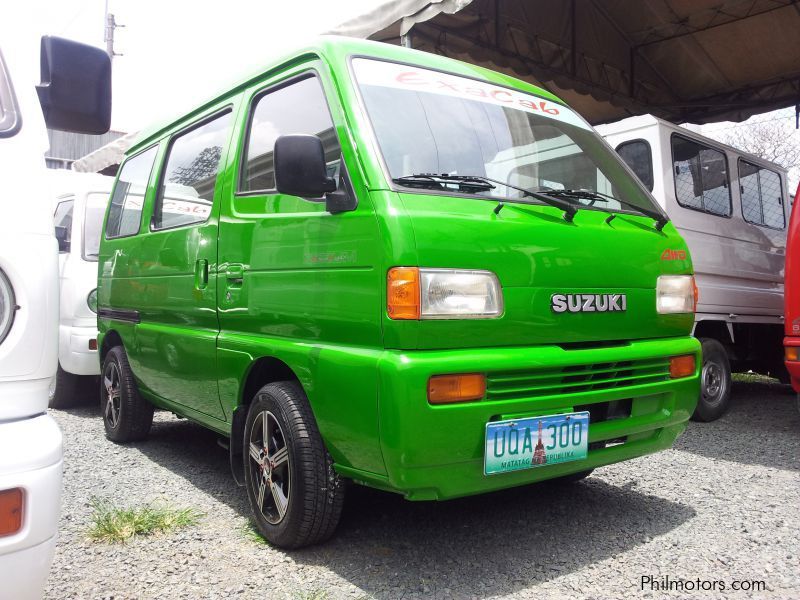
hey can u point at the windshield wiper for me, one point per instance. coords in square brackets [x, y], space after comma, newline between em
[440, 180]
[660, 218]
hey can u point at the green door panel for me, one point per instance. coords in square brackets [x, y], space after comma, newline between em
[302, 285]
[176, 339]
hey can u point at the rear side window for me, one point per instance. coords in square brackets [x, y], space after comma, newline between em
[762, 195]
[299, 107]
[638, 157]
[701, 177]
[125, 209]
[186, 193]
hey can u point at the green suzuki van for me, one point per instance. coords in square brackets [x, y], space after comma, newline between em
[350, 266]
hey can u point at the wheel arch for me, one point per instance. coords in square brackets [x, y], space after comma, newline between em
[262, 371]
[716, 330]
[111, 338]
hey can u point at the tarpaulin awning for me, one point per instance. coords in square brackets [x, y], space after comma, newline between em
[693, 61]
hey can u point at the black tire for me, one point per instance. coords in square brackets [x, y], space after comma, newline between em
[127, 416]
[308, 496]
[715, 382]
[63, 392]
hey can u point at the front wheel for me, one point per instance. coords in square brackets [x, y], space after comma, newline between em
[715, 382]
[295, 494]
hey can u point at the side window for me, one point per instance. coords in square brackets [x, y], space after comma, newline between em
[639, 158]
[762, 195]
[701, 177]
[125, 209]
[296, 108]
[62, 221]
[186, 190]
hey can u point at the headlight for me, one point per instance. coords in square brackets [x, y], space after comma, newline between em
[676, 294]
[414, 293]
[8, 306]
[91, 300]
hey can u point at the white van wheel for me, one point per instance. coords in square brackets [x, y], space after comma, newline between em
[715, 382]
[63, 389]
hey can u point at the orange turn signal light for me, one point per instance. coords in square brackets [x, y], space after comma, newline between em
[681, 366]
[443, 389]
[402, 293]
[11, 502]
[792, 353]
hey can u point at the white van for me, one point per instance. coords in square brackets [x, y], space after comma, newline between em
[30, 440]
[79, 204]
[732, 209]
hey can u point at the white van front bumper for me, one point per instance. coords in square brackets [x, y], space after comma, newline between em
[74, 352]
[30, 459]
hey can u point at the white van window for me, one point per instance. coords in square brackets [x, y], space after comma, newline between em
[62, 218]
[10, 120]
[639, 158]
[92, 224]
[701, 177]
[296, 108]
[762, 195]
[125, 210]
[186, 191]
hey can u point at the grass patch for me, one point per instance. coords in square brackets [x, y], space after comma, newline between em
[751, 377]
[251, 533]
[112, 524]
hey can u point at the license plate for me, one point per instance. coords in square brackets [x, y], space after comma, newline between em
[535, 442]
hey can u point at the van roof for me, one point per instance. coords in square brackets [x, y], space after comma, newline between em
[336, 49]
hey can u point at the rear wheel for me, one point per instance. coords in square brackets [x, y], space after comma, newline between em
[63, 389]
[715, 382]
[126, 415]
[294, 493]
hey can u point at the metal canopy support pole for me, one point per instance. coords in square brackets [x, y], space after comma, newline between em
[405, 40]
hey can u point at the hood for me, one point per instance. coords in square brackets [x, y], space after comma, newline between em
[545, 264]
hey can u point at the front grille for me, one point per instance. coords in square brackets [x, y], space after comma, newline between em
[575, 379]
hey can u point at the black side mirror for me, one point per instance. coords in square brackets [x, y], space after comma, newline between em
[62, 235]
[300, 168]
[75, 92]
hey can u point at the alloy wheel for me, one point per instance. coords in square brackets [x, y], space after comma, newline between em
[111, 383]
[269, 464]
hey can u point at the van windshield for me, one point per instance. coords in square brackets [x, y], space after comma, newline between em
[431, 122]
[96, 205]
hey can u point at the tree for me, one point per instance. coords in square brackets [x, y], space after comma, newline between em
[772, 137]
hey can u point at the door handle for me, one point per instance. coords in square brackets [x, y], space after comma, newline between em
[235, 275]
[201, 274]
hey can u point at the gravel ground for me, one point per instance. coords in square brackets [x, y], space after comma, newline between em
[722, 506]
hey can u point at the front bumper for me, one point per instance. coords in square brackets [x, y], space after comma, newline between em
[436, 452]
[74, 353]
[31, 459]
